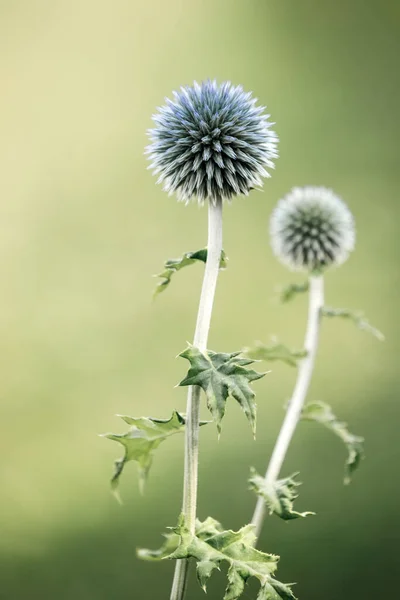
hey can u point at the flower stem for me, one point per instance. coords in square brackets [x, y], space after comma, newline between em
[214, 249]
[293, 414]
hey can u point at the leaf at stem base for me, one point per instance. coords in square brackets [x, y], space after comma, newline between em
[211, 546]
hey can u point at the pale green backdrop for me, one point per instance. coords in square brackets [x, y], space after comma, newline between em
[83, 227]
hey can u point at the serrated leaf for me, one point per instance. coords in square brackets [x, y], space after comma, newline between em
[278, 495]
[322, 413]
[275, 351]
[292, 290]
[144, 436]
[211, 546]
[222, 375]
[204, 530]
[172, 541]
[356, 317]
[173, 265]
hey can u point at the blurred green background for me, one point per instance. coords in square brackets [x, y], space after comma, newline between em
[83, 227]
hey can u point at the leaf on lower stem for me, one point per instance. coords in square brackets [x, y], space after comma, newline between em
[143, 437]
[204, 529]
[211, 546]
[172, 541]
[322, 413]
[222, 375]
[292, 290]
[173, 265]
[356, 317]
[275, 351]
[278, 495]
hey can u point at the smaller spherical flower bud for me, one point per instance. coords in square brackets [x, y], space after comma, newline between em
[211, 142]
[312, 229]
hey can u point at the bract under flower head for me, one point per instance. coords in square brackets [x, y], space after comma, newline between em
[211, 142]
[311, 229]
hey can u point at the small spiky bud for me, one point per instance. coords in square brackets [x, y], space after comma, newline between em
[311, 229]
[211, 142]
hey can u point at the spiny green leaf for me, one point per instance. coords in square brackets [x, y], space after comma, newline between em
[144, 436]
[204, 530]
[222, 375]
[356, 317]
[275, 351]
[322, 413]
[172, 541]
[173, 265]
[292, 290]
[211, 545]
[278, 495]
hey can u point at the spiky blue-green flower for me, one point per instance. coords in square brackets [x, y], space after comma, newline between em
[311, 228]
[211, 142]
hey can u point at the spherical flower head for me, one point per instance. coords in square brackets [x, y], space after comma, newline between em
[211, 142]
[312, 229]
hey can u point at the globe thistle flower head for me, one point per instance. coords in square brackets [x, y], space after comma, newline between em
[312, 229]
[211, 142]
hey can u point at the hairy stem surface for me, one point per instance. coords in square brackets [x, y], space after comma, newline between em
[214, 249]
[293, 414]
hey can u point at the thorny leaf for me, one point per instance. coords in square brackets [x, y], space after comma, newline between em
[222, 375]
[292, 290]
[211, 545]
[355, 316]
[275, 351]
[144, 436]
[322, 413]
[172, 541]
[173, 265]
[278, 495]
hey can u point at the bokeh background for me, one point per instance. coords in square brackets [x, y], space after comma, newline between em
[83, 227]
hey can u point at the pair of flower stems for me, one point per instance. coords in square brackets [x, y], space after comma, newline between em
[210, 144]
[293, 413]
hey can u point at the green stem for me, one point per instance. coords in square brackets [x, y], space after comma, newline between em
[214, 249]
[293, 414]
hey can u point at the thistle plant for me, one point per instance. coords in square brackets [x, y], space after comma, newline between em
[210, 144]
[311, 230]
